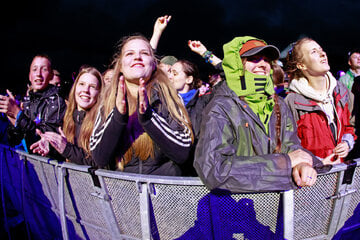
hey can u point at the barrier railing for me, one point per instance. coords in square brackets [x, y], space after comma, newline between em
[67, 201]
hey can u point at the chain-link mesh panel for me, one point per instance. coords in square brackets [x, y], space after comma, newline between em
[126, 205]
[266, 206]
[82, 230]
[50, 174]
[253, 215]
[35, 183]
[355, 197]
[312, 209]
[81, 202]
[175, 208]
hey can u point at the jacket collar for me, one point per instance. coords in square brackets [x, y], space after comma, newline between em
[48, 91]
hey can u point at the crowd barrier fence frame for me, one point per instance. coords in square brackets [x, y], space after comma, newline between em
[81, 203]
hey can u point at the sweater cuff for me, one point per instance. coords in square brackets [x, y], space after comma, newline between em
[120, 118]
[67, 150]
[17, 118]
[349, 139]
[146, 116]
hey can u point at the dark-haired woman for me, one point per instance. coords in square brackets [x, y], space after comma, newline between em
[248, 139]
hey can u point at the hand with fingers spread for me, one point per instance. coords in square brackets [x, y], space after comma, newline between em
[304, 175]
[9, 106]
[143, 99]
[58, 141]
[41, 147]
[121, 96]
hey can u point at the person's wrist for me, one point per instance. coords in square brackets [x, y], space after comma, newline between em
[207, 56]
[16, 112]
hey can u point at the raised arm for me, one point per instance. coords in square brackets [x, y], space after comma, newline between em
[159, 26]
[199, 48]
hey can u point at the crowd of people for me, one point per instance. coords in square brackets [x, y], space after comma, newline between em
[253, 126]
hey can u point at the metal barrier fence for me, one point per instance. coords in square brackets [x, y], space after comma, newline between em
[68, 201]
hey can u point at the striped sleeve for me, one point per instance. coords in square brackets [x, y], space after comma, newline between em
[106, 136]
[172, 138]
[99, 129]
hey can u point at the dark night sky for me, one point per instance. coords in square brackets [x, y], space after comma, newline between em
[76, 32]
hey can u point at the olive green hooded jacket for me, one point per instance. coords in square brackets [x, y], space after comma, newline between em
[234, 151]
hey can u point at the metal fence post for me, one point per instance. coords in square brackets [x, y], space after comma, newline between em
[144, 210]
[288, 201]
[61, 189]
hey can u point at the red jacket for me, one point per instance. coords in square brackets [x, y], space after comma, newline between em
[313, 128]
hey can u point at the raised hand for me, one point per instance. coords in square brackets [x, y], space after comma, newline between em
[197, 47]
[9, 106]
[121, 96]
[161, 23]
[159, 26]
[143, 99]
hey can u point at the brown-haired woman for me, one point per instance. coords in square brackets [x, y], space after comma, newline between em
[73, 142]
[319, 103]
[142, 126]
[185, 78]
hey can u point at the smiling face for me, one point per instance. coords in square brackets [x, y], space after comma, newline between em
[258, 64]
[40, 73]
[137, 61]
[314, 61]
[86, 91]
[179, 79]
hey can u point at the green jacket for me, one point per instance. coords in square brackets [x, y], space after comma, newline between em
[235, 153]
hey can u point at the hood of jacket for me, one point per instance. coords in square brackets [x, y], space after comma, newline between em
[238, 79]
[256, 89]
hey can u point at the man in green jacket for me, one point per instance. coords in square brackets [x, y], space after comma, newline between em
[248, 139]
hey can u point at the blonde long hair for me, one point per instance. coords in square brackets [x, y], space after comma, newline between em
[89, 120]
[143, 146]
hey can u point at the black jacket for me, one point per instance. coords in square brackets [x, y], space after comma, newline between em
[73, 152]
[113, 137]
[43, 110]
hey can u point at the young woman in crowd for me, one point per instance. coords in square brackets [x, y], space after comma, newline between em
[318, 103]
[107, 76]
[142, 125]
[73, 142]
[185, 77]
[248, 136]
